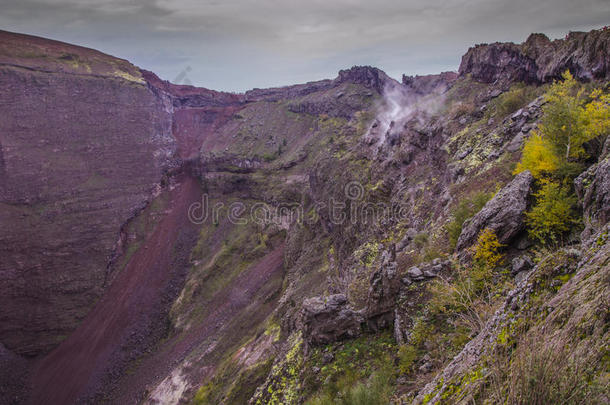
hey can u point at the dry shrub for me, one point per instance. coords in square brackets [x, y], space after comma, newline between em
[463, 299]
[542, 372]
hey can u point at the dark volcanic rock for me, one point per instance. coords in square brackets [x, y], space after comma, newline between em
[521, 263]
[593, 189]
[383, 292]
[287, 92]
[585, 54]
[540, 60]
[81, 155]
[428, 270]
[504, 214]
[329, 319]
[498, 62]
[338, 102]
[367, 76]
[429, 84]
[13, 377]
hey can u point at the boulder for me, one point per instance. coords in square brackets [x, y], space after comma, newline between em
[329, 319]
[415, 273]
[504, 214]
[462, 155]
[521, 263]
[426, 270]
[515, 144]
[407, 239]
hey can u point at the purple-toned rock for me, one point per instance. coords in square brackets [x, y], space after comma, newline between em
[498, 62]
[329, 319]
[540, 60]
[504, 214]
[593, 189]
[84, 145]
[430, 84]
[366, 76]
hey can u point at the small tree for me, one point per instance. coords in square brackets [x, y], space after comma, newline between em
[561, 122]
[555, 154]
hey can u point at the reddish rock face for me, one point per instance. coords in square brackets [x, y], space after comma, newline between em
[198, 112]
[83, 147]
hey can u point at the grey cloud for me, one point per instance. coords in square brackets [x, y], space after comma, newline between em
[235, 45]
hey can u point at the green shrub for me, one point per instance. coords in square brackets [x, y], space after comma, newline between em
[569, 120]
[466, 298]
[202, 396]
[538, 157]
[561, 122]
[512, 100]
[270, 156]
[421, 239]
[375, 391]
[407, 354]
[553, 213]
[465, 209]
[487, 250]
[462, 108]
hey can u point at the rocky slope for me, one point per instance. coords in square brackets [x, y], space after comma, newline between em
[170, 244]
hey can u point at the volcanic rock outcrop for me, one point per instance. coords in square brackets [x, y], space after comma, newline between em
[540, 60]
[593, 188]
[329, 319]
[504, 214]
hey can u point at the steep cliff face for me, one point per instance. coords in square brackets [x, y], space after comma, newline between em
[197, 112]
[540, 60]
[85, 144]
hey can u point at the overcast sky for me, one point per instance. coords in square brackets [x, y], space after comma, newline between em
[238, 45]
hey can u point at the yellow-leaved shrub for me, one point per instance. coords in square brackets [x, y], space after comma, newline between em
[555, 154]
[487, 250]
[538, 157]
